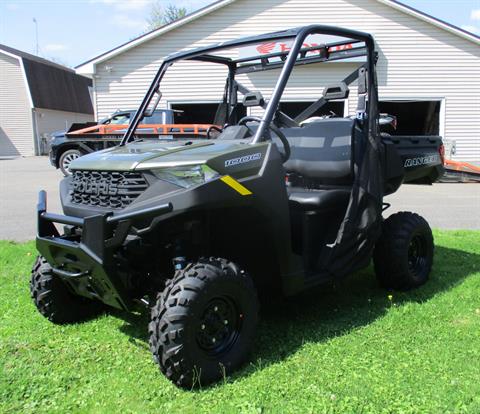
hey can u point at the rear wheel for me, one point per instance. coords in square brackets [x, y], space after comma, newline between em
[203, 324]
[54, 300]
[66, 159]
[403, 255]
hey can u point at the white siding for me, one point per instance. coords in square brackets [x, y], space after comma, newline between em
[417, 60]
[16, 133]
[48, 121]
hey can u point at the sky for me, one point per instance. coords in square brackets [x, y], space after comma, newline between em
[73, 31]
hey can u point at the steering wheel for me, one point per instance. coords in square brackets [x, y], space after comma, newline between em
[275, 129]
[213, 128]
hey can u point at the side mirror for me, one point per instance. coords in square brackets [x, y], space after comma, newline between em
[338, 91]
[253, 99]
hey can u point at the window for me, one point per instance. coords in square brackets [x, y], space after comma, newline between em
[158, 117]
[199, 113]
[120, 119]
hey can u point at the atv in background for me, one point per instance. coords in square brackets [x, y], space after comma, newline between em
[63, 149]
[193, 228]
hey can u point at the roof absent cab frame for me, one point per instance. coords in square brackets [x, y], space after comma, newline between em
[297, 55]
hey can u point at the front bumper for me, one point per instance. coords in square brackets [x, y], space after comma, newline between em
[85, 259]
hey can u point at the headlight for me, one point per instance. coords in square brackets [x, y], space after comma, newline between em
[186, 176]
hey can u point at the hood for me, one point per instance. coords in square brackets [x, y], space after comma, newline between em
[58, 134]
[146, 155]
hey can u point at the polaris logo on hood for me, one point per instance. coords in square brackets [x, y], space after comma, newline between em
[242, 160]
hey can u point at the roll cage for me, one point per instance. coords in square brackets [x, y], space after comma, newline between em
[298, 54]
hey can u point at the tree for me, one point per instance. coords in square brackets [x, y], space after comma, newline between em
[160, 16]
[173, 13]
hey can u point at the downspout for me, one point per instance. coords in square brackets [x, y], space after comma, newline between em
[36, 134]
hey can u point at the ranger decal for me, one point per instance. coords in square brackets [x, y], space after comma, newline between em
[428, 159]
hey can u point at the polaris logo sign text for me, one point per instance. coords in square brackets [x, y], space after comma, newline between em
[243, 160]
[415, 162]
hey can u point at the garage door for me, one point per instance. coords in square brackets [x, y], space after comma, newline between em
[201, 113]
[293, 109]
[414, 117]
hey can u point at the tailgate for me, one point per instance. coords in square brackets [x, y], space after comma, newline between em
[421, 157]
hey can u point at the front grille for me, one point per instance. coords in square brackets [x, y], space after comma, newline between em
[110, 189]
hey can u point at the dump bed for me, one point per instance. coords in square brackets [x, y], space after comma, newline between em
[412, 160]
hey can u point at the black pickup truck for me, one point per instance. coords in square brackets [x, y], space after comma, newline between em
[63, 149]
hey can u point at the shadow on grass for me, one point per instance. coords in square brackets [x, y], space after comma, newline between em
[330, 311]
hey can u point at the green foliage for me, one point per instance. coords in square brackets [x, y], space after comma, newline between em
[348, 348]
[160, 16]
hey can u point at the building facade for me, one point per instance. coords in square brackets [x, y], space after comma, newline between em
[37, 97]
[428, 70]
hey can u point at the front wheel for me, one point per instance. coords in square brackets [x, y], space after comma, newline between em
[66, 159]
[55, 301]
[203, 324]
[403, 254]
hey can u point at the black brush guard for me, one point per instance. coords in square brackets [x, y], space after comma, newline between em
[86, 262]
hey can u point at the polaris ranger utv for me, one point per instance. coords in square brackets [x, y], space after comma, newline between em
[194, 227]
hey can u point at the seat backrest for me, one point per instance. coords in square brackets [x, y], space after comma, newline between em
[322, 150]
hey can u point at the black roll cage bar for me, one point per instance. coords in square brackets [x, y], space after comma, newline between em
[297, 55]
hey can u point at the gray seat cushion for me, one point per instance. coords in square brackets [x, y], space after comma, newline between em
[321, 149]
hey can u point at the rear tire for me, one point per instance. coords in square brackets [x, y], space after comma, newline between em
[203, 324]
[403, 254]
[54, 300]
[66, 159]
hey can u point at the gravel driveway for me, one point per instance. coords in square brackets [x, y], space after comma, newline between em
[446, 206]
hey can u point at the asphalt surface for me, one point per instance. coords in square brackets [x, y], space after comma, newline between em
[20, 181]
[446, 206]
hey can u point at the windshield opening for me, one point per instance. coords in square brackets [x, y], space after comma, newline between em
[215, 81]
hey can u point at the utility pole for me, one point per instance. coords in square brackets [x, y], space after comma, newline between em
[36, 35]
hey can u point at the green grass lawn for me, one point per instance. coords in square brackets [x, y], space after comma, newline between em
[349, 348]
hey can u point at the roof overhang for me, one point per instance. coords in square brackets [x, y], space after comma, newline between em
[432, 20]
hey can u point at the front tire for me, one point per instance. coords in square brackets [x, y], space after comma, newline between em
[54, 300]
[66, 159]
[203, 324]
[403, 254]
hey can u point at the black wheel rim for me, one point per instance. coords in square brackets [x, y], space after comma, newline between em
[219, 326]
[417, 254]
